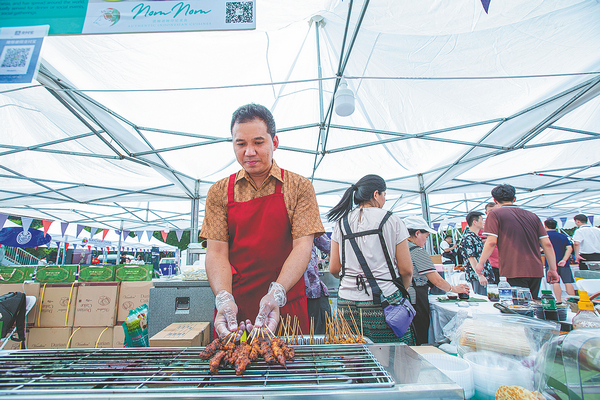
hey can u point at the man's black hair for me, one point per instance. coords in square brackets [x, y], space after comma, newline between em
[490, 205]
[250, 112]
[473, 216]
[448, 235]
[581, 217]
[550, 223]
[504, 193]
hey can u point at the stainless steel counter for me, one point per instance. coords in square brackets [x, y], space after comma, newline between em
[325, 371]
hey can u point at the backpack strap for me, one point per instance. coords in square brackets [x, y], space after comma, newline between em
[363, 262]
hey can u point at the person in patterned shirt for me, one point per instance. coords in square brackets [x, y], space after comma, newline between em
[259, 224]
[471, 247]
[317, 294]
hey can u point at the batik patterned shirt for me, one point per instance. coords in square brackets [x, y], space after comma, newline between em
[471, 245]
[314, 285]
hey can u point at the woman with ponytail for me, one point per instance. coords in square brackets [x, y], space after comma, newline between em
[360, 210]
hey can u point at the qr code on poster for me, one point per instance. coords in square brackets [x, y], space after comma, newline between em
[16, 57]
[239, 12]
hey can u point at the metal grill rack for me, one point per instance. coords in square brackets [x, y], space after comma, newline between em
[147, 371]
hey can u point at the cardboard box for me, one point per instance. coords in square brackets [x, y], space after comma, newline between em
[96, 304]
[16, 274]
[57, 302]
[56, 273]
[30, 289]
[118, 336]
[91, 338]
[131, 296]
[96, 273]
[182, 334]
[132, 272]
[48, 338]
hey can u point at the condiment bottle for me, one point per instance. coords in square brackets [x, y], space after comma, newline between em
[549, 305]
[586, 316]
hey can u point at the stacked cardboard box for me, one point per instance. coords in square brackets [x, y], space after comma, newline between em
[77, 314]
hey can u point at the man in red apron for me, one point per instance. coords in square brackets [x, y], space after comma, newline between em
[259, 224]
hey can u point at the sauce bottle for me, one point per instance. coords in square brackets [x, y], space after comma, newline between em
[549, 305]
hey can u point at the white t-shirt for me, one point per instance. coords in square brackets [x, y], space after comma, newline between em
[394, 232]
[589, 239]
[445, 245]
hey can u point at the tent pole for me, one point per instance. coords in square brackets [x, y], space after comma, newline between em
[425, 211]
[194, 219]
[119, 247]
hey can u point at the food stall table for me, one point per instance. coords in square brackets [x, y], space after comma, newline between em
[442, 312]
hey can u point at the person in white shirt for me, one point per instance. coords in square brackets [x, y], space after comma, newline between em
[586, 242]
[448, 253]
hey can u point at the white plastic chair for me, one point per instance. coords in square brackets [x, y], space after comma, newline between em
[29, 303]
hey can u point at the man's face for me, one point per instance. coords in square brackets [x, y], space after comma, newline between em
[449, 240]
[478, 223]
[253, 146]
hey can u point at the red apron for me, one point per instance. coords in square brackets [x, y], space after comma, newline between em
[260, 240]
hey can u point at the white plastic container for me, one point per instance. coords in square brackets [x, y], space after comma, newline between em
[492, 370]
[455, 368]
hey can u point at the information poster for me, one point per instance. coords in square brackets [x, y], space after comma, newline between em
[72, 17]
[20, 49]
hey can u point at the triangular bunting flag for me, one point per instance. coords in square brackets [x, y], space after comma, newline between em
[139, 235]
[164, 235]
[79, 229]
[591, 219]
[563, 220]
[104, 232]
[93, 231]
[125, 234]
[74, 246]
[63, 227]
[451, 224]
[89, 248]
[486, 5]
[66, 245]
[179, 233]
[436, 225]
[57, 244]
[463, 225]
[2, 220]
[149, 234]
[26, 221]
[46, 224]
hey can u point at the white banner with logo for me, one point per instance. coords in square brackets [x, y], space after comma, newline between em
[168, 16]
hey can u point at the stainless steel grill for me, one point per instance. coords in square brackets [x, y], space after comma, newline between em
[152, 371]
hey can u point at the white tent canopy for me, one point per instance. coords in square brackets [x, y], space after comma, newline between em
[450, 101]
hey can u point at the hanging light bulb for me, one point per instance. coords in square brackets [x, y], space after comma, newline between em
[344, 100]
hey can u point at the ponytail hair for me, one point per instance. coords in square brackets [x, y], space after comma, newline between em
[361, 192]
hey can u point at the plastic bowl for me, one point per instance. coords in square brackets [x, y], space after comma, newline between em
[458, 370]
[492, 370]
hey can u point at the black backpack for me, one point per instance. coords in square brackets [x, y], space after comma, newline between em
[13, 310]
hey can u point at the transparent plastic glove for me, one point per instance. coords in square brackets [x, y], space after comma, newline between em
[268, 312]
[226, 318]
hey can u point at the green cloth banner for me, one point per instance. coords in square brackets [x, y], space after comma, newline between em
[72, 17]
